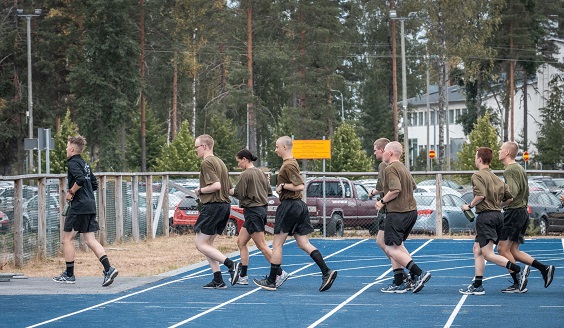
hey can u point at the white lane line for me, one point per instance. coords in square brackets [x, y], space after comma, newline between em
[258, 288]
[190, 276]
[348, 300]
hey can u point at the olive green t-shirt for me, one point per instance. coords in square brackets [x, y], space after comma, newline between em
[487, 184]
[396, 177]
[379, 183]
[516, 178]
[290, 173]
[214, 170]
[253, 188]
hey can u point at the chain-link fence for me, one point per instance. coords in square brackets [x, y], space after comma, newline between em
[133, 206]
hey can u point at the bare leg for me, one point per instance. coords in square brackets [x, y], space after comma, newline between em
[68, 245]
[204, 244]
[93, 244]
[242, 242]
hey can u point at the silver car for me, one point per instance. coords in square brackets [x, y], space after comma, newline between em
[453, 217]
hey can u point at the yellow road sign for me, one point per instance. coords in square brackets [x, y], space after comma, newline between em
[312, 149]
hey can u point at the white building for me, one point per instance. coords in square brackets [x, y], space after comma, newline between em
[538, 91]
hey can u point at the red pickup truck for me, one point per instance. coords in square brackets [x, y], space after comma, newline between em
[347, 205]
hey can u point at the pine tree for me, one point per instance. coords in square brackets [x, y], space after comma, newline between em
[347, 154]
[180, 154]
[483, 135]
[549, 143]
[58, 156]
[155, 139]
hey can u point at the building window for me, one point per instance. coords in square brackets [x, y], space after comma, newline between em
[421, 121]
[450, 116]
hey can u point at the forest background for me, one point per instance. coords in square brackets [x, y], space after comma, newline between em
[140, 78]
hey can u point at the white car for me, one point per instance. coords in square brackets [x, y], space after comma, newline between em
[433, 189]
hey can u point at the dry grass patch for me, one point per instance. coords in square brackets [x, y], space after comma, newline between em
[133, 259]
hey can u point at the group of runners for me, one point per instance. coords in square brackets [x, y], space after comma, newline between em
[500, 206]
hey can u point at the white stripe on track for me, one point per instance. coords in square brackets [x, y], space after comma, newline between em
[348, 300]
[257, 289]
[190, 276]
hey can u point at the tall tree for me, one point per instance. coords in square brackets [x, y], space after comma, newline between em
[180, 154]
[105, 79]
[549, 144]
[483, 135]
[347, 154]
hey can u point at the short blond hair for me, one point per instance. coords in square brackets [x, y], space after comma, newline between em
[286, 141]
[512, 148]
[79, 141]
[207, 140]
[381, 143]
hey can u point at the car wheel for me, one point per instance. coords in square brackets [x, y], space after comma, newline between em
[171, 228]
[230, 228]
[543, 225]
[446, 227]
[335, 226]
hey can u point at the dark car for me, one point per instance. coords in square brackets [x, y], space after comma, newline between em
[547, 211]
[31, 213]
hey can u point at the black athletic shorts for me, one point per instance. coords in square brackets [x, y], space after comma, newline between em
[397, 227]
[255, 219]
[81, 223]
[292, 217]
[488, 227]
[213, 218]
[515, 223]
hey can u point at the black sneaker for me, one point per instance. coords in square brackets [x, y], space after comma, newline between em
[215, 285]
[513, 289]
[64, 279]
[420, 281]
[522, 277]
[235, 272]
[327, 281]
[264, 283]
[109, 276]
[547, 275]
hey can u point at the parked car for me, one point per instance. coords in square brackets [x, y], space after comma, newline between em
[537, 185]
[445, 183]
[547, 211]
[369, 184]
[347, 205]
[4, 222]
[467, 197]
[554, 185]
[433, 190]
[453, 217]
[31, 213]
[186, 213]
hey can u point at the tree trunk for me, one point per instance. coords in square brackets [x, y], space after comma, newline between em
[251, 117]
[525, 111]
[174, 97]
[394, 75]
[142, 103]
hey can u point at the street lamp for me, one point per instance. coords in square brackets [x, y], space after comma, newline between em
[394, 16]
[28, 15]
[342, 105]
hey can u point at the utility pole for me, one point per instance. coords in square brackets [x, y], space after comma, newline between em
[28, 15]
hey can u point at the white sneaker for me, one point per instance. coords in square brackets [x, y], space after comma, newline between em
[242, 280]
[282, 278]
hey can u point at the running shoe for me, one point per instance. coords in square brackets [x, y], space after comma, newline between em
[235, 271]
[109, 276]
[328, 280]
[264, 283]
[395, 289]
[522, 277]
[64, 279]
[514, 289]
[420, 281]
[471, 290]
[215, 285]
[242, 280]
[547, 275]
[280, 279]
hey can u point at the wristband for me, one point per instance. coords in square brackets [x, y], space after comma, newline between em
[470, 206]
[71, 192]
[382, 201]
[282, 185]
